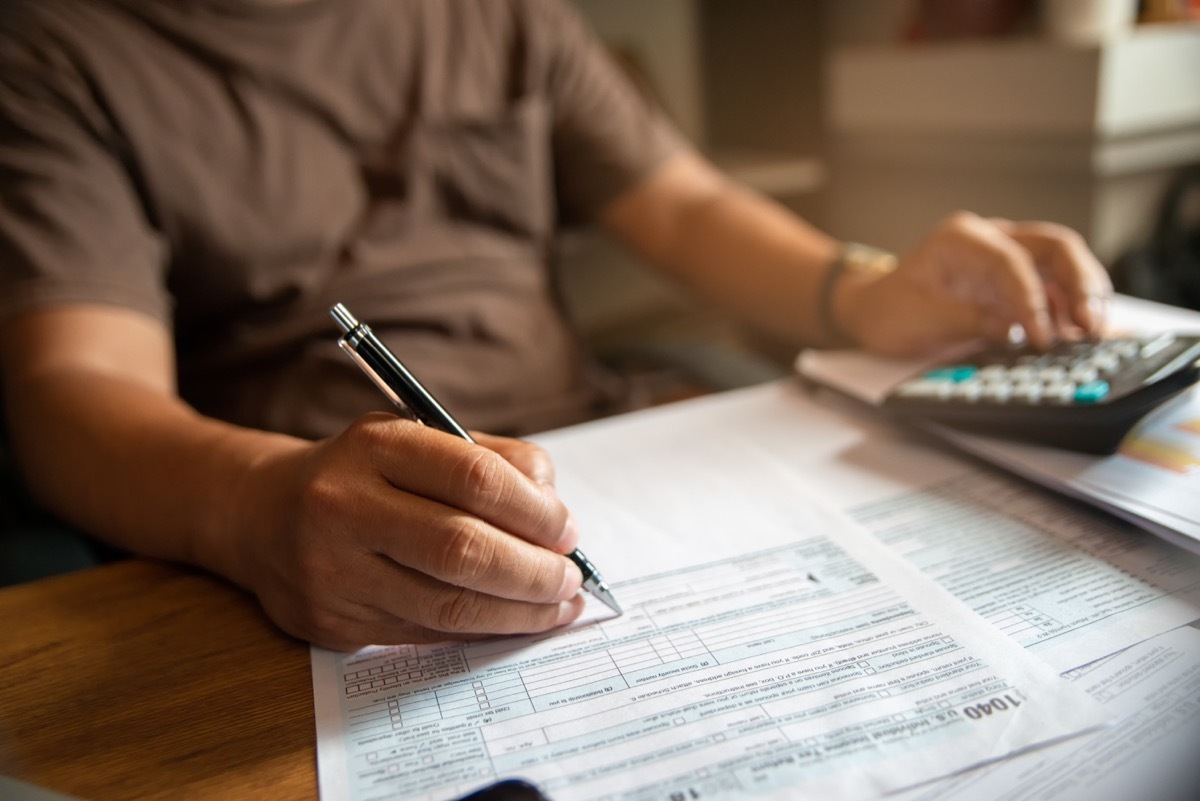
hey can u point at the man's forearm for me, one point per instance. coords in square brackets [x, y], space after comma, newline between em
[137, 468]
[733, 247]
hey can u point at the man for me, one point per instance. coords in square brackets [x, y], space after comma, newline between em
[189, 184]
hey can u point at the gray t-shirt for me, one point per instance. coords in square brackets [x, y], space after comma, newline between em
[234, 167]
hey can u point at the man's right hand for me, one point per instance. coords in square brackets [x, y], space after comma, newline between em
[391, 532]
[396, 532]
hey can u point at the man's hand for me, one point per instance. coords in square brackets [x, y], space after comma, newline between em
[975, 277]
[391, 532]
[970, 277]
[395, 532]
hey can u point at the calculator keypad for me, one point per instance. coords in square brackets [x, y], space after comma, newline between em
[1084, 396]
[1075, 373]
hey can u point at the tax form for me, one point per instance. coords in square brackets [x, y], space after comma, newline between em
[1155, 688]
[770, 648]
[1068, 583]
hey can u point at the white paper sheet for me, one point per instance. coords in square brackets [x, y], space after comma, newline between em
[1063, 581]
[770, 648]
[1072, 582]
[1150, 755]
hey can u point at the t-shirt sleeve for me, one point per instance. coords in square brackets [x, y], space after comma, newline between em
[73, 228]
[607, 135]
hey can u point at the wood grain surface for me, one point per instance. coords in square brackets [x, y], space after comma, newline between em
[145, 681]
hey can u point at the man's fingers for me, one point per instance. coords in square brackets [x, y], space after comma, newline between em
[465, 476]
[461, 549]
[534, 462]
[454, 611]
[1004, 281]
[530, 459]
[356, 625]
[1068, 265]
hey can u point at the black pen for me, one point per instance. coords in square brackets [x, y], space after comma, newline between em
[406, 392]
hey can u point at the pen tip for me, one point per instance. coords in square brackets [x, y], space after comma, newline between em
[610, 601]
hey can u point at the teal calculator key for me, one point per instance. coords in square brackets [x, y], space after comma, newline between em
[955, 373]
[1091, 392]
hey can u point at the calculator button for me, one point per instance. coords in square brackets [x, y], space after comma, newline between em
[1030, 391]
[926, 388]
[1105, 362]
[1083, 373]
[1022, 372]
[1059, 391]
[1091, 392]
[1052, 374]
[993, 372]
[958, 372]
[969, 390]
[996, 392]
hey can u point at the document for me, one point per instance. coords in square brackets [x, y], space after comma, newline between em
[1072, 583]
[770, 649]
[1150, 755]
[1062, 580]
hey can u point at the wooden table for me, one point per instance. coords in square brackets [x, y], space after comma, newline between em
[141, 680]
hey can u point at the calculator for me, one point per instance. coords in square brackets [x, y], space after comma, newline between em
[1081, 396]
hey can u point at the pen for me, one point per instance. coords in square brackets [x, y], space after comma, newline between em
[406, 392]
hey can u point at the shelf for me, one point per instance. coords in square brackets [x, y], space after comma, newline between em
[1028, 87]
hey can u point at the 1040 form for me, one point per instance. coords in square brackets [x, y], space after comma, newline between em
[817, 663]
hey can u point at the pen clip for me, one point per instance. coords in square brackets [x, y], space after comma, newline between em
[376, 379]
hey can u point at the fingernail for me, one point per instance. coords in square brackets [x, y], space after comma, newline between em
[572, 582]
[569, 610]
[569, 537]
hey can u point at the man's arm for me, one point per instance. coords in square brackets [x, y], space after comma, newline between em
[391, 532]
[969, 277]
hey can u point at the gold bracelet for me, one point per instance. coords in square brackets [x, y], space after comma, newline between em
[854, 259]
